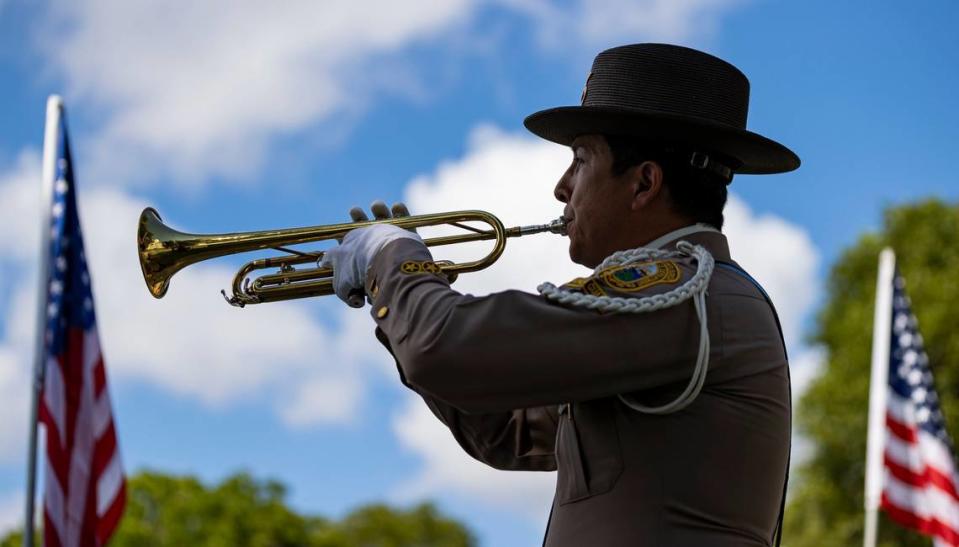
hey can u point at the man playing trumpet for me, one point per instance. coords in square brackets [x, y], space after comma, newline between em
[658, 387]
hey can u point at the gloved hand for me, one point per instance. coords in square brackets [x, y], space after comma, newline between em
[352, 257]
[380, 211]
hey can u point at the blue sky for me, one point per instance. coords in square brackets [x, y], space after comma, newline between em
[229, 116]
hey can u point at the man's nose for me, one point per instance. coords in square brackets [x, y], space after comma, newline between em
[561, 191]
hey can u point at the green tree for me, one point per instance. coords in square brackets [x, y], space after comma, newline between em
[171, 511]
[381, 526]
[826, 507]
[15, 539]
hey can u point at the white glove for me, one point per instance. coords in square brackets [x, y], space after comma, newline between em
[353, 256]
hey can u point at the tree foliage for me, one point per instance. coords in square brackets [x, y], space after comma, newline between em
[826, 507]
[171, 511]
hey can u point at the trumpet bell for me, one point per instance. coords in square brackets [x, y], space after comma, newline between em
[152, 237]
[164, 251]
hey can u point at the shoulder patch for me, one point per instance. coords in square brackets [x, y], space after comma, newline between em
[586, 285]
[637, 277]
[594, 288]
[575, 284]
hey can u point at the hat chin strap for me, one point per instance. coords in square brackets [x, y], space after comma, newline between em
[701, 160]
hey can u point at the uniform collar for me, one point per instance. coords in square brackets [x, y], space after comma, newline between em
[680, 233]
[698, 234]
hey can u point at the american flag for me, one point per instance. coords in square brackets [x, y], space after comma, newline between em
[84, 485]
[920, 486]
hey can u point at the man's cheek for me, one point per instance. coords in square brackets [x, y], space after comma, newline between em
[579, 243]
[572, 231]
[574, 237]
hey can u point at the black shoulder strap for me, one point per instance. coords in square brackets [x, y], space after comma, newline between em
[729, 266]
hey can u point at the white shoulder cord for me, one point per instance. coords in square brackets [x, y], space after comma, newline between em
[695, 288]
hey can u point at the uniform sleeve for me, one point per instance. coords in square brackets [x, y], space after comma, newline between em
[518, 440]
[514, 350]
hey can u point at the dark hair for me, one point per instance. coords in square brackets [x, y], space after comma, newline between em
[697, 193]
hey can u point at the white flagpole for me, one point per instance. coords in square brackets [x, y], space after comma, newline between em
[50, 140]
[882, 327]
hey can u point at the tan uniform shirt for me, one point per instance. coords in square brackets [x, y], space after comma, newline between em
[526, 384]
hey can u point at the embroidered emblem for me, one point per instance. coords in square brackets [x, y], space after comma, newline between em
[636, 277]
[585, 285]
[594, 288]
[424, 267]
[576, 284]
[582, 98]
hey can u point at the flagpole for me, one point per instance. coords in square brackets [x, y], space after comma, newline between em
[882, 327]
[50, 138]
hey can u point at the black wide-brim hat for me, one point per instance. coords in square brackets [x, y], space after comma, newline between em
[670, 95]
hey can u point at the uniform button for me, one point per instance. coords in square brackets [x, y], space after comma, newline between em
[381, 313]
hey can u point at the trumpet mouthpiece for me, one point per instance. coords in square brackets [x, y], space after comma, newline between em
[558, 226]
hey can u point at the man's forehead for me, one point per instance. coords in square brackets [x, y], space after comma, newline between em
[589, 142]
[592, 143]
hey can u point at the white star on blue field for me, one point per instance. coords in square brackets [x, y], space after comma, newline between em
[315, 109]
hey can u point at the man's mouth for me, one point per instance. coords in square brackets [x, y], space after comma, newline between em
[568, 222]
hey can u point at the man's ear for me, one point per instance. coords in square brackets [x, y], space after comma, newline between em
[646, 182]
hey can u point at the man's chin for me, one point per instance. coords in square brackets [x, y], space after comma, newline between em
[577, 256]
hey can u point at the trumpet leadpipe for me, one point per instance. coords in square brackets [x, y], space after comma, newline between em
[163, 252]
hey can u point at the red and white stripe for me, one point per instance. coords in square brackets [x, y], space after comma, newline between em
[85, 488]
[920, 486]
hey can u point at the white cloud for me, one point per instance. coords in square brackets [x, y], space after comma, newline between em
[15, 386]
[513, 176]
[192, 90]
[322, 399]
[194, 344]
[195, 89]
[805, 364]
[606, 23]
[781, 256]
[19, 239]
[191, 343]
[447, 469]
[19, 188]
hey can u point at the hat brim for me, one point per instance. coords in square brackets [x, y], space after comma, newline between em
[757, 155]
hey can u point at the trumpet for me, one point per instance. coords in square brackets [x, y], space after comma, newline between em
[164, 251]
